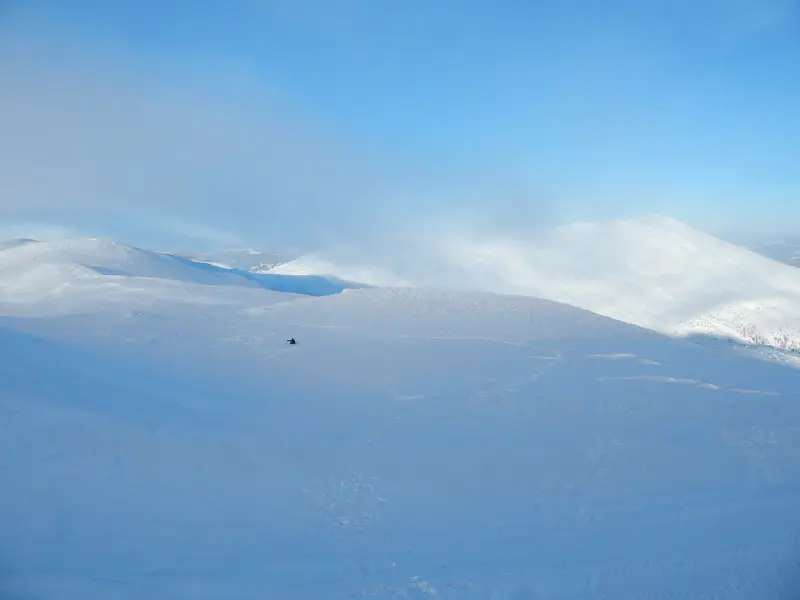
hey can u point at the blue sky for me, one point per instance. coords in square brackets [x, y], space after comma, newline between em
[199, 122]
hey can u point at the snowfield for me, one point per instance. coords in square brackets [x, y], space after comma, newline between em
[159, 439]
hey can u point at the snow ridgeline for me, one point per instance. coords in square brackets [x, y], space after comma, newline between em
[33, 271]
[652, 271]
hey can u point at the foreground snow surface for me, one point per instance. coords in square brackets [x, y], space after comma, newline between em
[413, 444]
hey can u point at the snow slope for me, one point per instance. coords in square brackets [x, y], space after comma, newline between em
[99, 257]
[64, 274]
[414, 444]
[653, 271]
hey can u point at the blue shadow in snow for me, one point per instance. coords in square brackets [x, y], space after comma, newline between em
[308, 285]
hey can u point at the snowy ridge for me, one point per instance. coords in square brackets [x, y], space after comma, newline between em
[109, 258]
[651, 271]
[57, 271]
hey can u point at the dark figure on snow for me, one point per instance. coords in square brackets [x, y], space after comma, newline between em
[291, 341]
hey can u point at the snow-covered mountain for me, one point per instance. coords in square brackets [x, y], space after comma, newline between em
[66, 273]
[159, 439]
[653, 271]
[95, 257]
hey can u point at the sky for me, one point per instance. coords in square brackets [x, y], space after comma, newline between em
[207, 124]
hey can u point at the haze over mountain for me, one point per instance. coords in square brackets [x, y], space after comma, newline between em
[651, 271]
[249, 259]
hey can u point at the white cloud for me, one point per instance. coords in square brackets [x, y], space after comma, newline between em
[91, 136]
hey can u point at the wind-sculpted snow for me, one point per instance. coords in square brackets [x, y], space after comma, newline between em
[413, 444]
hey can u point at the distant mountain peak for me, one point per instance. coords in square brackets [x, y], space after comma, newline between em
[654, 271]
